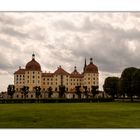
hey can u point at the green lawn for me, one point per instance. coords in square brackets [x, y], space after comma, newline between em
[70, 115]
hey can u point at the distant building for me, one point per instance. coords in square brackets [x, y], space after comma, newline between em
[32, 76]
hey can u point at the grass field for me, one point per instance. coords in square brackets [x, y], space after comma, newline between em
[70, 115]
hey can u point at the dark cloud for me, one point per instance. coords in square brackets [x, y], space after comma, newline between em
[109, 46]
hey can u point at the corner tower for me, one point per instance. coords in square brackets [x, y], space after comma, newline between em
[33, 73]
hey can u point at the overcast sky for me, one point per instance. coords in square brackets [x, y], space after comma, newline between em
[66, 38]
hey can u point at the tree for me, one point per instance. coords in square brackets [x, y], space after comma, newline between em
[120, 92]
[94, 90]
[136, 83]
[126, 81]
[61, 91]
[85, 91]
[111, 86]
[25, 91]
[11, 90]
[50, 92]
[78, 92]
[37, 91]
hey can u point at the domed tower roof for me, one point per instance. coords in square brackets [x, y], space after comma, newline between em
[75, 71]
[76, 74]
[33, 65]
[91, 68]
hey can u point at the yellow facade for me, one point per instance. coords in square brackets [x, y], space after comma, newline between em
[32, 76]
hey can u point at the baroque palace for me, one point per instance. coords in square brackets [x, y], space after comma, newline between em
[32, 76]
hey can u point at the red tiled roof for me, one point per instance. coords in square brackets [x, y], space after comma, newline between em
[47, 74]
[76, 76]
[75, 72]
[91, 68]
[20, 71]
[33, 65]
[61, 71]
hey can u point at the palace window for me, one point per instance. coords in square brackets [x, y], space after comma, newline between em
[33, 77]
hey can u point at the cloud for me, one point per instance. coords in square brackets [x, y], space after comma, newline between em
[14, 33]
[112, 39]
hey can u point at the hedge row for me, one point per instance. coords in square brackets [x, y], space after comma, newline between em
[2, 101]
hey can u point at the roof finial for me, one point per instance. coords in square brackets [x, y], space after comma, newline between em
[33, 56]
[91, 59]
[75, 69]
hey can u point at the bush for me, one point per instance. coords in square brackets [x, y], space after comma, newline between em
[59, 100]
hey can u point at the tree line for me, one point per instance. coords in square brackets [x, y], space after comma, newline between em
[62, 90]
[128, 85]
